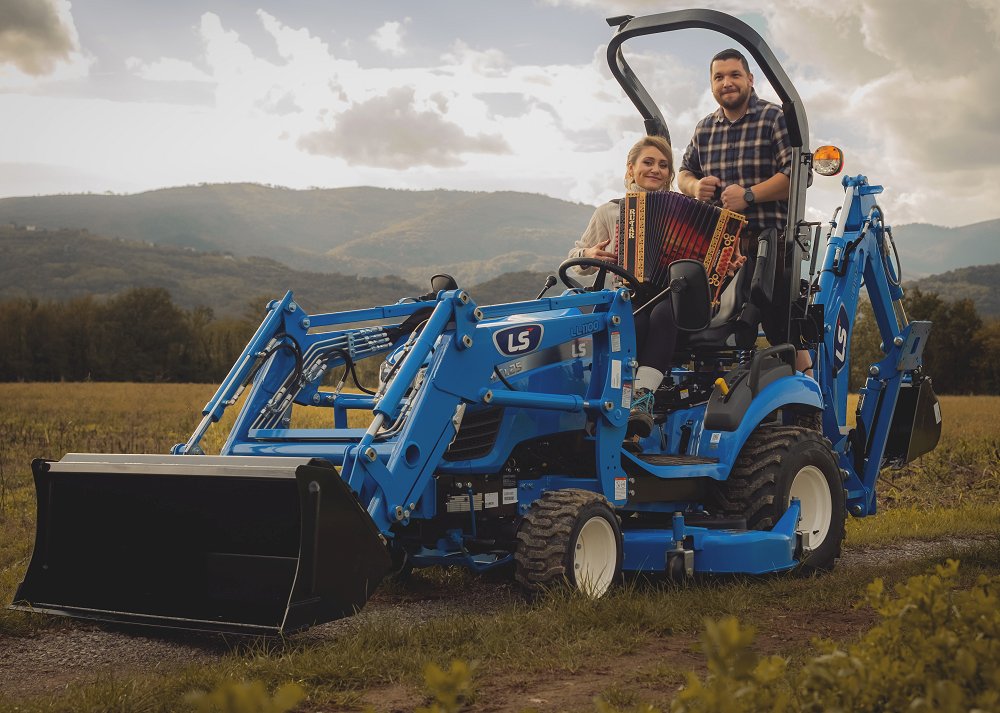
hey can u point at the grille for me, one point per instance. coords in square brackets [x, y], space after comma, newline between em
[477, 434]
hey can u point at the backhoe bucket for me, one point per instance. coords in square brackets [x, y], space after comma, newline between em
[916, 423]
[251, 545]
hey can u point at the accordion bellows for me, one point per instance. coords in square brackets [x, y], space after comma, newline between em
[655, 229]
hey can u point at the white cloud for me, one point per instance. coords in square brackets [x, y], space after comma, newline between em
[491, 62]
[913, 78]
[166, 69]
[39, 42]
[389, 38]
[35, 35]
[904, 87]
[392, 132]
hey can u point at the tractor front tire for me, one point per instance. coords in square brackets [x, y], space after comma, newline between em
[569, 537]
[778, 463]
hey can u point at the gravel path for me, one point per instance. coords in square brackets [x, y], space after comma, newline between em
[48, 662]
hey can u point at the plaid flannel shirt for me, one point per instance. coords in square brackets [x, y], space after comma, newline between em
[745, 152]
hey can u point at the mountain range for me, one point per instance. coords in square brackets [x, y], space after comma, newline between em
[357, 231]
[228, 245]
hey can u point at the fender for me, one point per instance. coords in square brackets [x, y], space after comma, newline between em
[794, 390]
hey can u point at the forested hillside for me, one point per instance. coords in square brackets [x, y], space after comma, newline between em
[475, 236]
[366, 231]
[64, 264]
[980, 284]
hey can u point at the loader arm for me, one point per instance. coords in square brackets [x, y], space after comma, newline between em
[896, 397]
[286, 360]
[444, 366]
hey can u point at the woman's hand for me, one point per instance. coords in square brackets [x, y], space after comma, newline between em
[600, 252]
[737, 260]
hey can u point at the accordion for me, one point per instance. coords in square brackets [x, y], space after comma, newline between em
[655, 229]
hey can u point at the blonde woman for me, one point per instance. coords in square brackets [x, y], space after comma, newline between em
[649, 166]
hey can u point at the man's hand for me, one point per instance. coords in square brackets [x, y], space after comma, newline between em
[732, 198]
[705, 188]
[598, 251]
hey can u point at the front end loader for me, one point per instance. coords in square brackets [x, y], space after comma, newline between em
[494, 439]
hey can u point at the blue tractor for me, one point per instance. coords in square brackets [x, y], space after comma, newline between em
[495, 436]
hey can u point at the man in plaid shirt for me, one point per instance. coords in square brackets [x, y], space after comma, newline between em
[740, 156]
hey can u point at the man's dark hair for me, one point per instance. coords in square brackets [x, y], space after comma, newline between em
[730, 54]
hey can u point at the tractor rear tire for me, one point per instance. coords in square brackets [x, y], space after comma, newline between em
[813, 420]
[569, 537]
[777, 463]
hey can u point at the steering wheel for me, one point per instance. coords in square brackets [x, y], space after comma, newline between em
[603, 268]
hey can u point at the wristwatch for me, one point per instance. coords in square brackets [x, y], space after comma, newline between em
[749, 197]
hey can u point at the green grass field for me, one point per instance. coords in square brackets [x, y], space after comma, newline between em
[952, 492]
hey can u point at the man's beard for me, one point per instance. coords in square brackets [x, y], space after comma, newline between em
[733, 100]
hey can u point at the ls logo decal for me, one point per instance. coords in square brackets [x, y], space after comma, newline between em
[840, 334]
[519, 340]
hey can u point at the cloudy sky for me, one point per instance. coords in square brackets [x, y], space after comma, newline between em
[132, 95]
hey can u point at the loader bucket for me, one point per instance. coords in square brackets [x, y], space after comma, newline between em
[250, 545]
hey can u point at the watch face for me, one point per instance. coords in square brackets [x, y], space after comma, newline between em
[748, 196]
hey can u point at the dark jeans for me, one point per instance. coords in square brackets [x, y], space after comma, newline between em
[656, 336]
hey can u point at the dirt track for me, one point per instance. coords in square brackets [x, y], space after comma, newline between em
[48, 663]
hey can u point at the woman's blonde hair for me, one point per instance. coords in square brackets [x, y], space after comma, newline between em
[660, 144]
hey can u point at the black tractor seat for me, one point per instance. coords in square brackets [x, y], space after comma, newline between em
[741, 306]
[731, 337]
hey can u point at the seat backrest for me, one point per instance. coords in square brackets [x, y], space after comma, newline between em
[762, 284]
[747, 296]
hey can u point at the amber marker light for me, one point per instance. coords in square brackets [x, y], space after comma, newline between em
[828, 160]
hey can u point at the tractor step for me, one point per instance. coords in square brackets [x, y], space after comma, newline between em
[250, 545]
[673, 459]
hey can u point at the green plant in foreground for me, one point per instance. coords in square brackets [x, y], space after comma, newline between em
[237, 697]
[738, 680]
[451, 689]
[934, 649]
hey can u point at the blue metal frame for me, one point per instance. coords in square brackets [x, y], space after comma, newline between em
[448, 365]
[717, 551]
[570, 361]
[856, 251]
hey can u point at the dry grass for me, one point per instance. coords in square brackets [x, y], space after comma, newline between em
[948, 492]
[47, 420]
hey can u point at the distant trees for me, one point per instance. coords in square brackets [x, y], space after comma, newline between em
[138, 335]
[958, 355]
[985, 363]
[141, 335]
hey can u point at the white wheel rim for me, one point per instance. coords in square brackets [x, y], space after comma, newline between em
[810, 487]
[595, 557]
